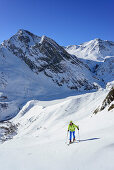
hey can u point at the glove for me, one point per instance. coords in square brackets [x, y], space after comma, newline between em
[78, 128]
[68, 130]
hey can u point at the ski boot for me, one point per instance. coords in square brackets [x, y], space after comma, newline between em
[70, 142]
[73, 139]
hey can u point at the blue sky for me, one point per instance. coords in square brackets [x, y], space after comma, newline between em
[65, 21]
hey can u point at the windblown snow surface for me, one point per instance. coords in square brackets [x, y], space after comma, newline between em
[41, 140]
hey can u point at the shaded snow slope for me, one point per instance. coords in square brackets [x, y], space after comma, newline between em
[105, 70]
[42, 129]
[19, 83]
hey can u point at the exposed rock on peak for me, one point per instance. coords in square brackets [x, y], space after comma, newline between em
[108, 101]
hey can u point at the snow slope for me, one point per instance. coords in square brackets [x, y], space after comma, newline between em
[42, 131]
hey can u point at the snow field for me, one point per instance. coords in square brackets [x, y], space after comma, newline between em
[42, 135]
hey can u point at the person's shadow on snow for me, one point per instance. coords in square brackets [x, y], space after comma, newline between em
[84, 140]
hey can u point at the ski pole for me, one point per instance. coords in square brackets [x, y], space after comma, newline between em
[67, 137]
[79, 135]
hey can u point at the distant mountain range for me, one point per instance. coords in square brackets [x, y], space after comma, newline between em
[96, 50]
[37, 67]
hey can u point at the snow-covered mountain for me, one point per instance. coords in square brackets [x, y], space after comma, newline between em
[98, 55]
[32, 66]
[43, 55]
[95, 50]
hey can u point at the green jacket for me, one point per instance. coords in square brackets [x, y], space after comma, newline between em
[72, 127]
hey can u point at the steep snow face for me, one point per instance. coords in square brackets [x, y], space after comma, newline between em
[95, 50]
